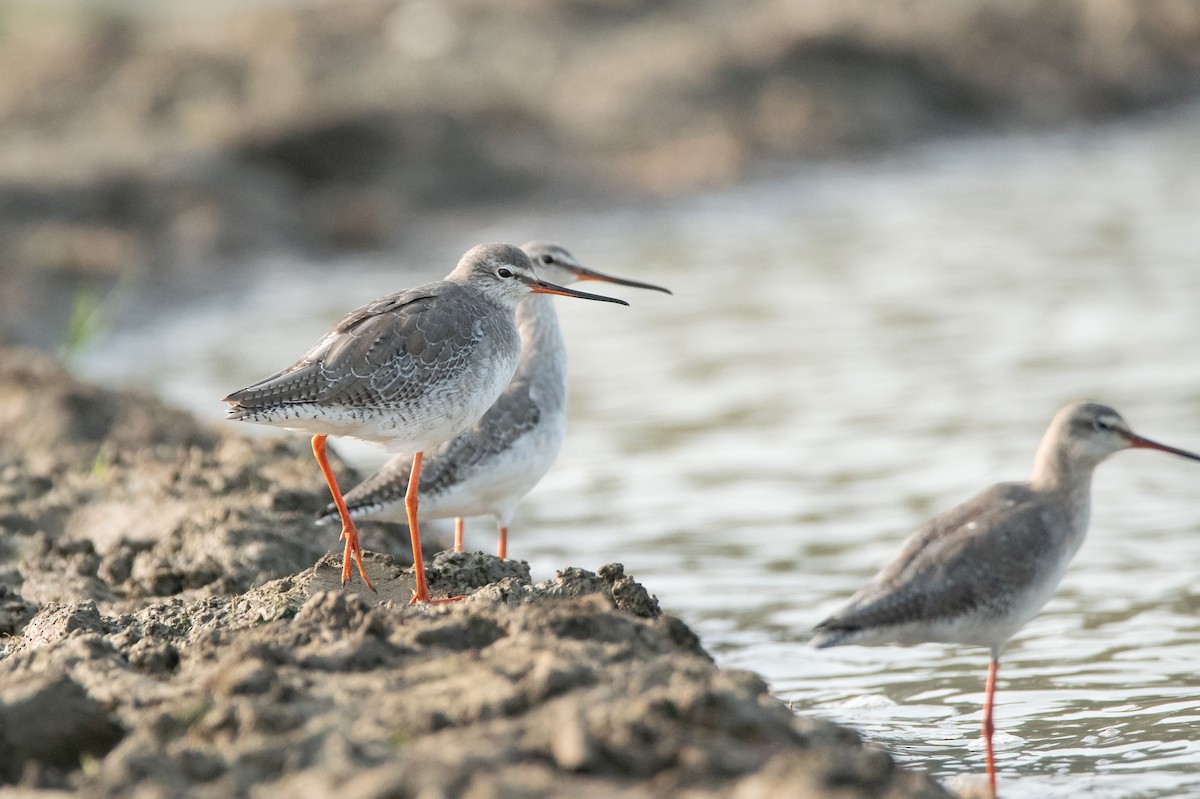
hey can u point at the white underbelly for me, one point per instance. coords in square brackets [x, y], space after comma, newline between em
[496, 485]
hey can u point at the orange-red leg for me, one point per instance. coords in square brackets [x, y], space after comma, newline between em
[989, 726]
[502, 547]
[352, 551]
[458, 530]
[421, 592]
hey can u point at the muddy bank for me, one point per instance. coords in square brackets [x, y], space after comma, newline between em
[173, 626]
[146, 142]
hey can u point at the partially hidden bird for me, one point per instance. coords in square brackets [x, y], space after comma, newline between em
[410, 371]
[488, 469]
[978, 573]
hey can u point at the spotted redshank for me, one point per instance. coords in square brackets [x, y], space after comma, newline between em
[490, 467]
[978, 573]
[410, 371]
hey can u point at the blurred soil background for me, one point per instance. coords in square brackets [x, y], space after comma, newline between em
[155, 143]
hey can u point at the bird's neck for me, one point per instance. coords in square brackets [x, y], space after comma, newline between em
[543, 352]
[1055, 470]
[1068, 481]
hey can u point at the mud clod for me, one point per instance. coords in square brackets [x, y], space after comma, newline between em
[51, 722]
[15, 611]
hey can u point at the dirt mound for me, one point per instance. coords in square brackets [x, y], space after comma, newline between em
[177, 628]
[114, 497]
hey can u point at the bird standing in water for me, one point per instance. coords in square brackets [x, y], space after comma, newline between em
[490, 467]
[410, 371]
[979, 572]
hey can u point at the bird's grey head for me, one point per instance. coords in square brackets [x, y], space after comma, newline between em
[501, 271]
[1085, 433]
[1091, 431]
[554, 263]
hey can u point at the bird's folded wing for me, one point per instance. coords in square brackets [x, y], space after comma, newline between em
[380, 355]
[961, 562]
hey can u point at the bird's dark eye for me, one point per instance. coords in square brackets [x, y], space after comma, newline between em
[547, 258]
[502, 272]
[1102, 424]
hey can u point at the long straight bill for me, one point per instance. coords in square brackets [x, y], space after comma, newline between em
[1138, 442]
[583, 273]
[542, 287]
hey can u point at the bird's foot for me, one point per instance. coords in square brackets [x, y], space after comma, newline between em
[434, 600]
[353, 553]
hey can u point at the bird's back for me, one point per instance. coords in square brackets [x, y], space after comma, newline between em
[974, 574]
[427, 357]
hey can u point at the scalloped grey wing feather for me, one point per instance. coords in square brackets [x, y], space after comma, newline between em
[385, 486]
[385, 354]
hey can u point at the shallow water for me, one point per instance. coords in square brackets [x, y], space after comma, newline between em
[850, 350]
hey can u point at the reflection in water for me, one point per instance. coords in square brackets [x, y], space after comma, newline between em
[848, 352]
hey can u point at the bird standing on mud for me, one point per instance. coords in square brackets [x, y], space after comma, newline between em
[410, 371]
[490, 467]
[978, 573]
